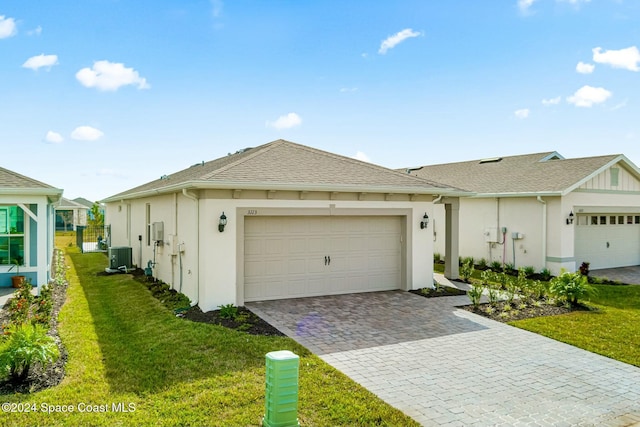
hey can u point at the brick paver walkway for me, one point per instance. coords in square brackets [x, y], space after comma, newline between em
[445, 366]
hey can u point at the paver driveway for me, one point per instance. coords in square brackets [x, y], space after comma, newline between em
[445, 366]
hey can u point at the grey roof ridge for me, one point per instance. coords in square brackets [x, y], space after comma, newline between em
[40, 184]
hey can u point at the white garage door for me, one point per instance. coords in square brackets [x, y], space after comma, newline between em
[608, 240]
[292, 257]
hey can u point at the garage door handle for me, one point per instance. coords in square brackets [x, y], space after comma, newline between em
[325, 260]
[329, 260]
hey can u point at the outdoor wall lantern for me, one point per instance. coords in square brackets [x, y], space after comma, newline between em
[222, 223]
[570, 218]
[425, 221]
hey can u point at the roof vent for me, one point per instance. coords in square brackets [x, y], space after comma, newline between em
[164, 177]
[491, 160]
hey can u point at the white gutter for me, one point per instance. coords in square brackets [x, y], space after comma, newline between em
[197, 200]
[282, 186]
[544, 231]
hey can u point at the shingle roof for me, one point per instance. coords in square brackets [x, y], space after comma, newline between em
[530, 173]
[283, 164]
[65, 204]
[83, 201]
[14, 183]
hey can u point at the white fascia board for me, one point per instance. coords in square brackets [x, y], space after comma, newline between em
[513, 195]
[204, 185]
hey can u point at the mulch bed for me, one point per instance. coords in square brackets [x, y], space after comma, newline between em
[246, 321]
[514, 312]
[40, 378]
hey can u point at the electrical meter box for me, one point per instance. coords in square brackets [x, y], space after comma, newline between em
[157, 232]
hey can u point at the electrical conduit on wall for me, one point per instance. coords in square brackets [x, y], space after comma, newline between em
[197, 201]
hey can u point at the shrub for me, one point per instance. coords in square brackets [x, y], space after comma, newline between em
[20, 304]
[27, 344]
[529, 270]
[509, 267]
[570, 287]
[44, 306]
[482, 264]
[496, 266]
[545, 274]
[584, 268]
[467, 269]
[436, 257]
[228, 311]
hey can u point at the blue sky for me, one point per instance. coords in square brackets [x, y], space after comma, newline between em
[99, 96]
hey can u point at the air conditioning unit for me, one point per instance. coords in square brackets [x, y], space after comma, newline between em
[120, 256]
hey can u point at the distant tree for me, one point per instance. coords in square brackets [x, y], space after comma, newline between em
[67, 218]
[97, 217]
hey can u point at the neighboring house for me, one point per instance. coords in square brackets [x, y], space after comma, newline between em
[279, 221]
[545, 211]
[26, 227]
[70, 214]
[89, 205]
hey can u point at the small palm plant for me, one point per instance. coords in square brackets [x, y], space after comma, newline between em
[27, 344]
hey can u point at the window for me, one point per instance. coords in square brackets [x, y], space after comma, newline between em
[612, 220]
[11, 235]
[614, 176]
[637, 219]
[603, 220]
[629, 219]
[594, 220]
[621, 219]
[148, 219]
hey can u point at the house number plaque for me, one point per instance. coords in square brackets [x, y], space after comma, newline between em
[252, 212]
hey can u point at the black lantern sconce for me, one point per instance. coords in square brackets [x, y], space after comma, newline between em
[222, 223]
[570, 218]
[425, 221]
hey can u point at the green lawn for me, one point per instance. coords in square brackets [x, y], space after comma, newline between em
[126, 348]
[612, 329]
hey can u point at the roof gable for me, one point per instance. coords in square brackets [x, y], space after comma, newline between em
[15, 183]
[539, 173]
[286, 165]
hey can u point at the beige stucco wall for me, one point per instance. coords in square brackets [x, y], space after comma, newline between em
[215, 259]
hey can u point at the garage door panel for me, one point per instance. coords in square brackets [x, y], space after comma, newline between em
[285, 256]
[610, 245]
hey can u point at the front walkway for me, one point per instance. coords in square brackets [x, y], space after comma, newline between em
[445, 366]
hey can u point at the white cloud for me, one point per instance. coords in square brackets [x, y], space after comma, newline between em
[576, 2]
[392, 41]
[522, 113]
[53, 137]
[86, 133]
[584, 68]
[586, 96]
[7, 27]
[216, 8]
[40, 61]
[524, 5]
[105, 75]
[362, 157]
[286, 122]
[35, 32]
[624, 58]
[348, 89]
[552, 101]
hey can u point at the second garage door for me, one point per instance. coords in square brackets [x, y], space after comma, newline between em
[292, 257]
[608, 240]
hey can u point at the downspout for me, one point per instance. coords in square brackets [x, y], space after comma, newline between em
[435, 202]
[544, 231]
[197, 200]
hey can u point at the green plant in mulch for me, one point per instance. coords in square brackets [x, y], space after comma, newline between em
[570, 288]
[20, 304]
[475, 293]
[467, 269]
[228, 311]
[496, 266]
[25, 346]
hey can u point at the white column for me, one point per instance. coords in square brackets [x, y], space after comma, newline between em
[452, 230]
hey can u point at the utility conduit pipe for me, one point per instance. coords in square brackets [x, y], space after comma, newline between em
[544, 231]
[197, 201]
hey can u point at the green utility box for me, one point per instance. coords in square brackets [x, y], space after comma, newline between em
[281, 402]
